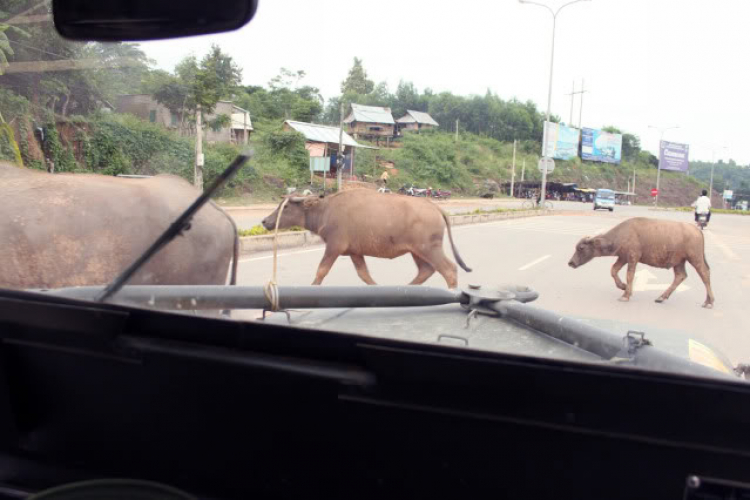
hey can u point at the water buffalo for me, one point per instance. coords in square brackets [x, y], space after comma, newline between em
[82, 229]
[657, 243]
[362, 222]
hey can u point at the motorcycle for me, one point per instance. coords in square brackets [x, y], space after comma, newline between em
[702, 221]
[441, 194]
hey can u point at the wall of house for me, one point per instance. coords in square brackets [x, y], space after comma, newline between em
[223, 135]
[361, 128]
[146, 108]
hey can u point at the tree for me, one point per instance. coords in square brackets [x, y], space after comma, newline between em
[356, 81]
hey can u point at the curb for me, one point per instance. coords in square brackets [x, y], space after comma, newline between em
[264, 243]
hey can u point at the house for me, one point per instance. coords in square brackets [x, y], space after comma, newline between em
[371, 122]
[145, 107]
[322, 141]
[415, 120]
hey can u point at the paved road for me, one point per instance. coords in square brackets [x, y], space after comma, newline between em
[535, 251]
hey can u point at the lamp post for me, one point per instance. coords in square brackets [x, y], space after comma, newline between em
[658, 168]
[549, 92]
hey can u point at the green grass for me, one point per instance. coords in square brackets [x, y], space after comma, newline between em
[715, 211]
[259, 230]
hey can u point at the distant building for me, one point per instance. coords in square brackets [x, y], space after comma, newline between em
[371, 122]
[322, 141]
[145, 107]
[415, 120]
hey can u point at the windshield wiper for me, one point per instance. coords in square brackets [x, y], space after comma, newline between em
[181, 224]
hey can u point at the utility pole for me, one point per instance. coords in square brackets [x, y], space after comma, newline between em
[341, 147]
[513, 171]
[572, 99]
[456, 129]
[580, 110]
[713, 165]
[198, 173]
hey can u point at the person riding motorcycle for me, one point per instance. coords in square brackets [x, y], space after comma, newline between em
[703, 206]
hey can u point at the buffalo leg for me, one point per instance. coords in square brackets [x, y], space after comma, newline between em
[679, 276]
[325, 265]
[705, 273]
[616, 270]
[630, 278]
[424, 270]
[443, 265]
[361, 266]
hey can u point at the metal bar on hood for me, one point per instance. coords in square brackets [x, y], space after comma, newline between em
[211, 297]
[601, 342]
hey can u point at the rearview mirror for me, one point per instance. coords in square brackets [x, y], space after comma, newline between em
[135, 20]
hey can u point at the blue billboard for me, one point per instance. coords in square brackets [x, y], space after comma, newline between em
[597, 145]
[562, 141]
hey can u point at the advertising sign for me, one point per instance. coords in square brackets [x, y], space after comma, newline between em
[728, 194]
[674, 156]
[562, 141]
[597, 145]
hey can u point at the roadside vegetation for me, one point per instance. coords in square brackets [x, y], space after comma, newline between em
[67, 119]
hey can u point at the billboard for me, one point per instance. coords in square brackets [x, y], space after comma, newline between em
[597, 145]
[674, 156]
[562, 141]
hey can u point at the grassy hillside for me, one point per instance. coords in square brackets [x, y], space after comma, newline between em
[437, 159]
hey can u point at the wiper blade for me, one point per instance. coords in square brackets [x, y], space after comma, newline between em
[181, 224]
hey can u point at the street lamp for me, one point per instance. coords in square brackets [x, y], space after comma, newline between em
[658, 167]
[549, 92]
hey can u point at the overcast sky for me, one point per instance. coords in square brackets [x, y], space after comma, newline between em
[644, 62]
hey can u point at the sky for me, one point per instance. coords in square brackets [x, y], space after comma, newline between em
[660, 63]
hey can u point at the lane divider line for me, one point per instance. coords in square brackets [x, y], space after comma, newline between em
[534, 262]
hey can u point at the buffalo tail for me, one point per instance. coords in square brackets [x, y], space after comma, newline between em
[459, 260]
[703, 237]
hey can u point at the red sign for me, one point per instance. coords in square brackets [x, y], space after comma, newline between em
[654, 192]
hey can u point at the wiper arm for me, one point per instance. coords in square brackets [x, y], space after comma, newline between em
[181, 224]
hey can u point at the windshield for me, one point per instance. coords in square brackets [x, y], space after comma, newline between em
[382, 138]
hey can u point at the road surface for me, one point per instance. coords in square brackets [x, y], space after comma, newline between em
[534, 251]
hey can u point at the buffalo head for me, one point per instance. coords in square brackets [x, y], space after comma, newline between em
[587, 249]
[293, 214]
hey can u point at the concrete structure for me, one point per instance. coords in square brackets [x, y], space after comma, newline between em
[145, 107]
[415, 120]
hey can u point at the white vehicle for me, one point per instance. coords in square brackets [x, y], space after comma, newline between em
[604, 198]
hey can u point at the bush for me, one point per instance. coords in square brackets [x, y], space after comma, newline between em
[259, 230]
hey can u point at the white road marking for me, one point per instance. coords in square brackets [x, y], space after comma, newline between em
[282, 254]
[534, 262]
[641, 283]
[714, 238]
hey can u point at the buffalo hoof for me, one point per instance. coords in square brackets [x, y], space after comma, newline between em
[659, 300]
[708, 306]
[624, 299]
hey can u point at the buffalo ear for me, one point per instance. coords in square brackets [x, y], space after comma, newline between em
[311, 202]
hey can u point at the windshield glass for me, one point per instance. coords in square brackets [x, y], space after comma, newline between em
[380, 139]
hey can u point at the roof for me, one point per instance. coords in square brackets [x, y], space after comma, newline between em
[370, 114]
[418, 117]
[321, 133]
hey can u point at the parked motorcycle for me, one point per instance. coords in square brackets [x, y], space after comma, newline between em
[443, 194]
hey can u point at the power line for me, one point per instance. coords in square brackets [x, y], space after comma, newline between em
[14, 42]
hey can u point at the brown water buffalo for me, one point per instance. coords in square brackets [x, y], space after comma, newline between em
[361, 222]
[657, 243]
[73, 229]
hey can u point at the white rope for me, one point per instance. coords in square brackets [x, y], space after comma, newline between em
[271, 289]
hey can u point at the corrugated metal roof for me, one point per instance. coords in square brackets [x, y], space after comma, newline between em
[321, 133]
[370, 114]
[417, 116]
